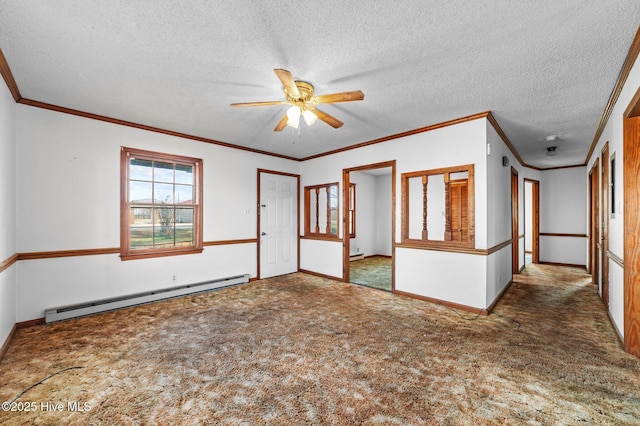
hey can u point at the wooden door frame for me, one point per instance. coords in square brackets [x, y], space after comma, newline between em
[515, 223]
[604, 228]
[535, 218]
[259, 211]
[594, 223]
[346, 243]
[631, 212]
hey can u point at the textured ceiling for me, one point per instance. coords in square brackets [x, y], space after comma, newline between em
[541, 67]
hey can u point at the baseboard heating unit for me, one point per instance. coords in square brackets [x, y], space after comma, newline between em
[97, 306]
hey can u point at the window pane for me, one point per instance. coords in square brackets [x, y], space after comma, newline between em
[184, 215]
[140, 192]
[163, 238]
[334, 222]
[184, 174]
[333, 196]
[312, 210]
[140, 169]
[164, 226]
[184, 227]
[184, 194]
[162, 172]
[141, 237]
[140, 215]
[163, 193]
[322, 210]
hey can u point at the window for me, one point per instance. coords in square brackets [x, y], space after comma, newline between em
[161, 204]
[438, 207]
[352, 210]
[321, 210]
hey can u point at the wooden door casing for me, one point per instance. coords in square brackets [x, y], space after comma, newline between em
[604, 230]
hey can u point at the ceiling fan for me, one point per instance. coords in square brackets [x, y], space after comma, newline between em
[299, 94]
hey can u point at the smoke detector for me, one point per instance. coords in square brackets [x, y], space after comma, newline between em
[552, 151]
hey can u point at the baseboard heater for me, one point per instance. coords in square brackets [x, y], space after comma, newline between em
[97, 306]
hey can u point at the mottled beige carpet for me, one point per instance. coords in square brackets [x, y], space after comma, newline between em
[374, 271]
[305, 350]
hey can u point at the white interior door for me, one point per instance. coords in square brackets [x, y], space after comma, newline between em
[278, 224]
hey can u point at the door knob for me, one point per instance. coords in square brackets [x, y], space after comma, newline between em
[263, 233]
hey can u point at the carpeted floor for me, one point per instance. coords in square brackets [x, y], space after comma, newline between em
[374, 271]
[300, 349]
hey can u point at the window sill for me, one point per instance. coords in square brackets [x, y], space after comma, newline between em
[321, 237]
[164, 253]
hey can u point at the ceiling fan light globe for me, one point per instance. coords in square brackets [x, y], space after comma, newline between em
[293, 115]
[309, 117]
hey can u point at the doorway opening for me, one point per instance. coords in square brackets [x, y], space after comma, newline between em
[531, 221]
[369, 225]
[594, 223]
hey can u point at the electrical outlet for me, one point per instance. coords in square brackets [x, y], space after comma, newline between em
[173, 278]
[247, 211]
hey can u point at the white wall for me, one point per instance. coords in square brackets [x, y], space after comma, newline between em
[528, 216]
[563, 201]
[383, 208]
[7, 210]
[68, 181]
[445, 147]
[366, 214]
[613, 133]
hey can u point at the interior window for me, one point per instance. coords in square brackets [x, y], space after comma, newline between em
[321, 210]
[438, 207]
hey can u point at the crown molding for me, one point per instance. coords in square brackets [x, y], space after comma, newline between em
[92, 116]
[401, 135]
[8, 78]
[634, 50]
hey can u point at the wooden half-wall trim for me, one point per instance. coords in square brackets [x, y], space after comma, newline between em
[8, 78]
[78, 113]
[318, 274]
[321, 237]
[7, 263]
[229, 242]
[634, 50]
[553, 234]
[573, 265]
[616, 259]
[453, 305]
[67, 253]
[453, 249]
[111, 250]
